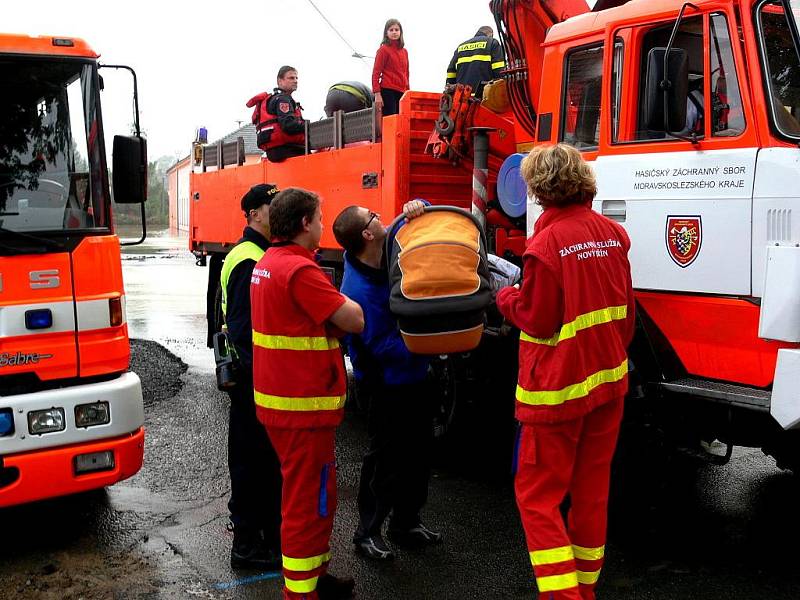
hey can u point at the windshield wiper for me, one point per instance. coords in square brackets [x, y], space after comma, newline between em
[46, 242]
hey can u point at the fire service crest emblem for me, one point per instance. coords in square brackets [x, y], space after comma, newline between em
[684, 237]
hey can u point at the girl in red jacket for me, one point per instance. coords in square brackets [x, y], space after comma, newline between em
[390, 73]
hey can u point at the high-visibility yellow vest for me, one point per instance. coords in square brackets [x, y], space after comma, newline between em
[243, 251]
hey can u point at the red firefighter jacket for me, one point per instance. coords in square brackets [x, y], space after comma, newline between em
[584, 363]
[278, 119]
[299, 379]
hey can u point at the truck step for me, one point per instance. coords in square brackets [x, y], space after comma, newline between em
[738, 395]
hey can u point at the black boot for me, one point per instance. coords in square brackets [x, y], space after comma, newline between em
[249, 551]
[335, 588]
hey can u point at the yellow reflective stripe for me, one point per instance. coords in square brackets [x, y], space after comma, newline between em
[551, 556]
[498, 65]
[588, 577]
[351, 90]
[584, 553]
[574, 391]
[473, 58]
[554, 583]
[451, 74]
[301, 586]
[305, 564]
[285, 342]
[299, 403]
[581, 322]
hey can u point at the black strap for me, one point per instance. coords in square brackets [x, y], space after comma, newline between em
[698, 104]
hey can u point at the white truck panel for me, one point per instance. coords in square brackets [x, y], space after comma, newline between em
[776, 206]
[12, 318]
[780, 304]
[785, 402]
[644, 191]
[124, 395]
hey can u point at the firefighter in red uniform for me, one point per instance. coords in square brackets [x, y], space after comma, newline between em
[575, 313]
[300, 387]
[280, 128]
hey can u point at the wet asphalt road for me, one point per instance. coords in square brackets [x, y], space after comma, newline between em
[678, 530]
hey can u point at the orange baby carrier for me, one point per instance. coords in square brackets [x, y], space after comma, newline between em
[440, 282]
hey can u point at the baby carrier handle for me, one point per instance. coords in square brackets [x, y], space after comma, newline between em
[391, 231]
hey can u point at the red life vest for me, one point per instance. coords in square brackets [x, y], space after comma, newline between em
[585, 364]
[299, 379]
[268, 131]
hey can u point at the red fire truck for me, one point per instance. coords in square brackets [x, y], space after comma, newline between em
[71, 413]
[690, 113]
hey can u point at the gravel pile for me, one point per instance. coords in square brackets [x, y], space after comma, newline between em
[159, 370]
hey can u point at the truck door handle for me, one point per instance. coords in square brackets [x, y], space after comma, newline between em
[615, 210]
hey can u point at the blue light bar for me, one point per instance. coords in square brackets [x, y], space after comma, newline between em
[6, 422]
[38, 319]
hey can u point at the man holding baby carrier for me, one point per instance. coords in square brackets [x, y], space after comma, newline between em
[396, 468]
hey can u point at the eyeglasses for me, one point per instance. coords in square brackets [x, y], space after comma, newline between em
[372, 216]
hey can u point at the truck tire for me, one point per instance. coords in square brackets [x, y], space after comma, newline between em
[785, 449]
[445, 383]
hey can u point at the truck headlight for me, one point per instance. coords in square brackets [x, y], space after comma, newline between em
[46, 421]
[89, 415]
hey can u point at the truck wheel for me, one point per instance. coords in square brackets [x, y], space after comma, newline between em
[445, 383]
[785, 449]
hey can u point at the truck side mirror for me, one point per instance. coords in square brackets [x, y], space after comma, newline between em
[130, 169]
[666, 91]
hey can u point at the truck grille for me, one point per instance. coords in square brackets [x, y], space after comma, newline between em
[29, 383]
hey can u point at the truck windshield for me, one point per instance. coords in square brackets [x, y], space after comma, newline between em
[52, 178]
[777, 23]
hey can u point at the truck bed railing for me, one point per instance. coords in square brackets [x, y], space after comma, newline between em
[343, 128]
[221, 154]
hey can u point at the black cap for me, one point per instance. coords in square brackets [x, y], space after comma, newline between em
[260, 194]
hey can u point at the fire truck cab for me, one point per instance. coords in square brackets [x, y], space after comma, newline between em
[71, 413]
[690, 113]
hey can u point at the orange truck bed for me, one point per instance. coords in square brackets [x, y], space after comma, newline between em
[381, 176]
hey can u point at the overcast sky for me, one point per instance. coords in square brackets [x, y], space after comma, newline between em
[198, 65]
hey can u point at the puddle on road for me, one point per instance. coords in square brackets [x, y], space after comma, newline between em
[166, 297]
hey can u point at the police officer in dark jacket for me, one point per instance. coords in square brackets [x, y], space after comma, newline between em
[255, 502]
[287, 112]
[477, 60]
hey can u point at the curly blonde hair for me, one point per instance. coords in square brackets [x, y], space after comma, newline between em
[558, 176]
